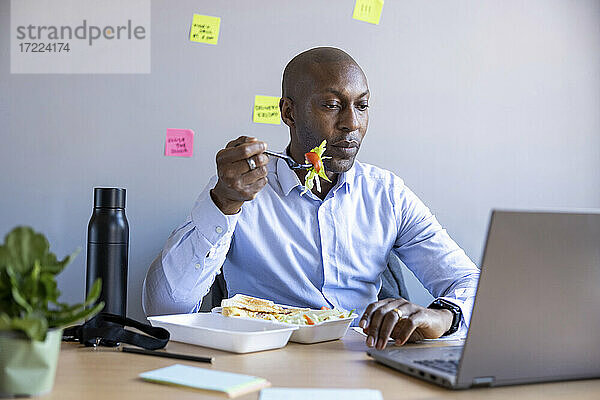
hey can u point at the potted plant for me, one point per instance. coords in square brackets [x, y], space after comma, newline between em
[31, 317]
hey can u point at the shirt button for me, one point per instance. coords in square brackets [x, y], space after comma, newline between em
[218, 229]
[198, 266]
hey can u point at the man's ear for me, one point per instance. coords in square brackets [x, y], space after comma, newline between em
[286, 107]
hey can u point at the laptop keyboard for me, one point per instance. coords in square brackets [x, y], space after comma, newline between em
[449, 366]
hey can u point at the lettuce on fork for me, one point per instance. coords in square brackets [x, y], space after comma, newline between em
[315, 157]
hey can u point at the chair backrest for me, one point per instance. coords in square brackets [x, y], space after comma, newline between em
[217, 292]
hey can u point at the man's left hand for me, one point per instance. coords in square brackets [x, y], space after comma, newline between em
[402, 321]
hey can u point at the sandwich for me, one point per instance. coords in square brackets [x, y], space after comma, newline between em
[242, 305]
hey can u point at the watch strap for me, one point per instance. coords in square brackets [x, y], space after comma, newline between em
[442, 304]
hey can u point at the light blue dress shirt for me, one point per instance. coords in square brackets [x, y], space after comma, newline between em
[304, 251]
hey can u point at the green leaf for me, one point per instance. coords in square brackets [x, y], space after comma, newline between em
[5, 322]
[24, 246]
[94, 292]
[34, 326]
[65, 311]
[49, 287]
[28, 286]
[312, 177]
[77, 316]
[15, 291]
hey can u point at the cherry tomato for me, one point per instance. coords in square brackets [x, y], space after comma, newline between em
[315, 160]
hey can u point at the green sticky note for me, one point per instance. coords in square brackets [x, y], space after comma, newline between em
[266, 110]
[368, 10]
[205, 29]
[203, 378]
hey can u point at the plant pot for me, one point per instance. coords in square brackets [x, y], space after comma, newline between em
[28, 367]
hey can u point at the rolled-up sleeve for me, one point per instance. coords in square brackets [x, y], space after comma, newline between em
[435, 259]
[183, 272]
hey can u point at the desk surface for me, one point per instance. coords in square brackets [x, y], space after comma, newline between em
[107, 374]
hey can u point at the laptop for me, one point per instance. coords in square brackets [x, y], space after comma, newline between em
[536, 316]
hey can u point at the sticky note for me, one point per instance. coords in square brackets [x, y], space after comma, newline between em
[202, 378]
[205, 29]
[368, 10]
[266, 110]
[179, 143]
[306, 393]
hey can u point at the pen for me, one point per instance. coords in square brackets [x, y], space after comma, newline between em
[167, 355]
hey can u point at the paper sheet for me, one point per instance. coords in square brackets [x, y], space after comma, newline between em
[266, 110]
[368, 11]
[205, 29]
[304, 394]
[204, 378]
[179, 143]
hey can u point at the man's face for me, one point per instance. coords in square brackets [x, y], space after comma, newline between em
[332, 105]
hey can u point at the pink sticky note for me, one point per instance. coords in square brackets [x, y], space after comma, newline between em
[179, 143]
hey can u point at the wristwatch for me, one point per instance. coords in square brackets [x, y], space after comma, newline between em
[441, 304]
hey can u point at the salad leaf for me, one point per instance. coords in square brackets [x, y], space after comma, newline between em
[312, 177]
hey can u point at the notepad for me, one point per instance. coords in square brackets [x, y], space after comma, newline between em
[206, 379]
[368, 11]
[330, 394]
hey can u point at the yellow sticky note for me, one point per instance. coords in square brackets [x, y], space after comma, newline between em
[266, 110]
[368, 10]
[205, 29]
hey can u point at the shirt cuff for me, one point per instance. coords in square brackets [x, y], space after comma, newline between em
[209, 220]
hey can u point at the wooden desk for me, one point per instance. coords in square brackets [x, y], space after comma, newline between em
[105, 374]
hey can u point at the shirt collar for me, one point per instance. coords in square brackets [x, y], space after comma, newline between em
[286, 176]
[346, 178]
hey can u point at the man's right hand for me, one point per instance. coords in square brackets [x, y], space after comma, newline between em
[237, 182]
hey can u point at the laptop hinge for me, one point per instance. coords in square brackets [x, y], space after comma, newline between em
[483, 381]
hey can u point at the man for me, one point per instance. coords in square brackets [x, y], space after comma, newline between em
[325, 248]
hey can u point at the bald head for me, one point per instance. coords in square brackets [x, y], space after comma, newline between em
[300, 68]
[325, 97]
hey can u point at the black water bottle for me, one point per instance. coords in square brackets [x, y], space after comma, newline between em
[107, 248]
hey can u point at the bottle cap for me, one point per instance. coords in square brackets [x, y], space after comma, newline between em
[109, 198]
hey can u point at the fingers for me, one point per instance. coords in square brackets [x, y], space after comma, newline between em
[255, 187]
[260, 160]
[240, 149]
[241, 140]
[240, 179]
[380, 332]
[406, 328]
[378, 313]
[366, 317]
[387, 325]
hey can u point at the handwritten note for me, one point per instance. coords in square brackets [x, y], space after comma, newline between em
[368, 11]
[179, 143]
[266, 110]
[205, 29]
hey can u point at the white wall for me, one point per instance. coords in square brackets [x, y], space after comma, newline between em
[475, 104]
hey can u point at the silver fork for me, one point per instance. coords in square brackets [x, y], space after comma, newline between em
[289, 160]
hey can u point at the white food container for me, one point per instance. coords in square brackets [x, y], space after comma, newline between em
[224, 333]
[321, 332]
